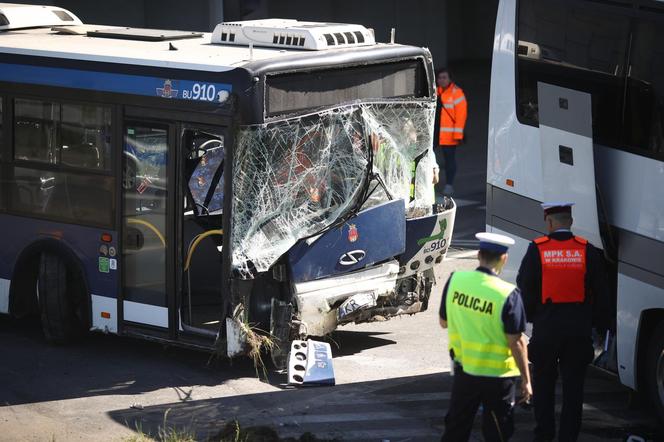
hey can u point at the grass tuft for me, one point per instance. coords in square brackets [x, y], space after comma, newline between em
[258, 341]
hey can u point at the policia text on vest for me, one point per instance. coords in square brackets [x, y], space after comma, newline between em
[473, 303]
[485, 320]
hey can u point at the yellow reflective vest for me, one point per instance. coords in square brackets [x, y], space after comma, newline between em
[477, 338]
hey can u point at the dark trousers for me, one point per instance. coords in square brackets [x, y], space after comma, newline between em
[497, 398]
[570, 356]
[446, 157]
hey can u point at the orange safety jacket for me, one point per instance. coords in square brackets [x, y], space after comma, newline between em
[453, 113]
[563, 269]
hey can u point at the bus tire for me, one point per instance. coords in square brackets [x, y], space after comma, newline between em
[58, 314]
[654, 380]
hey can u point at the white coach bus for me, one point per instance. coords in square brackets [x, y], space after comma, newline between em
[577, 113]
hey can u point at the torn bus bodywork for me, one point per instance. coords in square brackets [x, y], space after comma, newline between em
[334, 220]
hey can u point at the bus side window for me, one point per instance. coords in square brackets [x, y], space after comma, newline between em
[204, 169]
[86, 136]
[35, 130]
[644, 112]
[568, 44]
[76, 136]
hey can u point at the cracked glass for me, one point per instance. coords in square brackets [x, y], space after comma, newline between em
[296, 177]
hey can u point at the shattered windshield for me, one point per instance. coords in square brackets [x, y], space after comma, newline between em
[296, 177]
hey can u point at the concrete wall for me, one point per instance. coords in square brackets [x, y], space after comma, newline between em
[418, 22]
[194, 15]
[456, 31]
[470, 26]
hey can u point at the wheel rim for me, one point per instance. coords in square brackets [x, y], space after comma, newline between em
[659, 376]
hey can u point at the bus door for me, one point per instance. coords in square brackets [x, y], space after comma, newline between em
[568, 166]
[147, 225]
[202, 155]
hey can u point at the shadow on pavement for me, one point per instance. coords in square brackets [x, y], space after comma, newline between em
[99, 365]
[356, 342]
[410, 407]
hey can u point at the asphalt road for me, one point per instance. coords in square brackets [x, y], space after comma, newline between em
[393, 383]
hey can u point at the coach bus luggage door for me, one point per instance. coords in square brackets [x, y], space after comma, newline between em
[568, 167]
[147, 222]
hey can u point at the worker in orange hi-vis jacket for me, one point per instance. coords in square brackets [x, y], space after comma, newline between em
[451, 113]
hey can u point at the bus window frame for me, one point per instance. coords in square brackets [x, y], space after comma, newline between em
[644, 14]
[8, 162]
[59, 167]
[422, 69]
[633, 14]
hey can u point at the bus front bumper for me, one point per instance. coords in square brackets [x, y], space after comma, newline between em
[360, 296]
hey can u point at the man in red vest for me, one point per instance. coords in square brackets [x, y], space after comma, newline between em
[564, 288]
[451, 113]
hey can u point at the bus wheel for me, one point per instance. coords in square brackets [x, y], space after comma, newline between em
[58, 315]
[655, 370]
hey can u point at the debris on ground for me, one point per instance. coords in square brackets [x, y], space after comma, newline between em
[310, 364]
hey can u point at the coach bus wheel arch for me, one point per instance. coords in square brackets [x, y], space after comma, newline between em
[654, 369]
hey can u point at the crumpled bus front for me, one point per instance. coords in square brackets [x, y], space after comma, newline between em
[305, 189]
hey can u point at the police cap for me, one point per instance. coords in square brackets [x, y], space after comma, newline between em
[494, 242]
[557, 207]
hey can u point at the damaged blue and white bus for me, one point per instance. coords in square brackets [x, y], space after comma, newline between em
[183, 186]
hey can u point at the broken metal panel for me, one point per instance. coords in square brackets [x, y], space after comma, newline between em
[310, 364]
[317, 301]
[236, 337]
[297, 177]
[373, 236]
[427, 240]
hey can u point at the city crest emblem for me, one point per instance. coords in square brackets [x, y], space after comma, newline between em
[353, 234]
[167, 91]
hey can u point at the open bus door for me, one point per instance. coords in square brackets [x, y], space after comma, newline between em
[202, 152]
[172, 211]
[568, 166]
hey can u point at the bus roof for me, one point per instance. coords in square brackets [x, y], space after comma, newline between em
[191, 52]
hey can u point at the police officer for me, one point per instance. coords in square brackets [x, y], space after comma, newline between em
[562, 280]
[485, 319]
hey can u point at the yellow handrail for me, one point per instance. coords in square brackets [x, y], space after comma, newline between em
[149, 226]
[198, 239]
